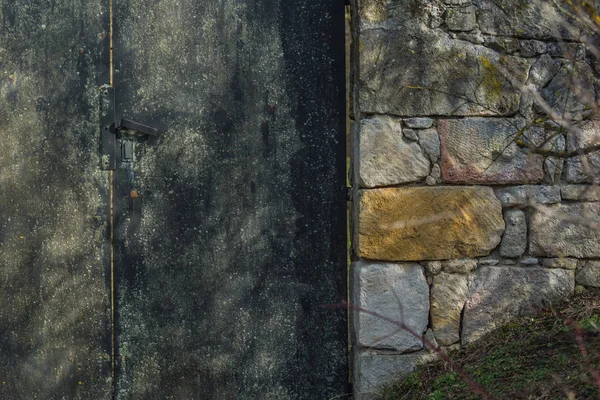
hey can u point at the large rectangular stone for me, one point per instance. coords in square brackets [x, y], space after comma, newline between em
[428, 223]
[566, 230]
[535, 19]
[481, 150]
[584, 168]
[448, 296]
[409, 70]
[373, 370]
[385, 157]
[499, 294]
[399, 293]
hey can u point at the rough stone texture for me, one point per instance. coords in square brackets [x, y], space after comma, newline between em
[536, 19]
[371, 370]
[514, 240]
[410, 134]
[429, 341]
[584, 168]
[433, 267]
[430, 143]
[428, 223]
[386, 158]
[564, 263]
[524, 195]
[460, 266]
[479, 150]
[461, 18]
[498, 294]
[398, 292]
[400, 63]
[488, 261]
[566, 230]
[543, 70]
[436, 172]
[577, 76]
[418, 123]
[528, 262]
[580, 192]
[448, 295]
[589, 275]
[532, 48]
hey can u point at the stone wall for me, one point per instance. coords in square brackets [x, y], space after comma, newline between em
[468, 209]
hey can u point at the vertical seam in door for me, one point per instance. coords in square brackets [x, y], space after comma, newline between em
[112, 230]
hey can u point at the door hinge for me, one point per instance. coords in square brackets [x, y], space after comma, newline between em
[111, 125]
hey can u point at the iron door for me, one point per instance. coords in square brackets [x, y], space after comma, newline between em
[230, 225]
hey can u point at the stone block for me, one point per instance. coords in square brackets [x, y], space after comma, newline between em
[543, 20]
[528, 262]
[479, 150]
[527, 194]
[579, 78]
[566, 230]
[585, 168]
[429, 341]
[433, 267]
[580, 192]
[460, 266]
[399, 293]
[461, 18]
[408, 69]
[430, 143]
[418, 123]
[428, 223]
[448, 295]
[385, 157]
[514, 240]
[564, 263]
[372, 370]
[589, 275]
[532, 48]
[499, 294]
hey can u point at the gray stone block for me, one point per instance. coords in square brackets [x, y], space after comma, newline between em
[386, 158]
[499, 294]
[418, 123]
[461, 18]
[430, 143]
[585, 168]
[566, 230]
[589, 275]
[580, 192]
[524, 195]
[514, 240]
[448, 295]
[372, 370]
[400, 293]
[564, 263]
[407, 70]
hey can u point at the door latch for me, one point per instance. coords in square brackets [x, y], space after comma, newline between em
[111, 125]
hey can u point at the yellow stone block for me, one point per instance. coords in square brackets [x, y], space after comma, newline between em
[428, 223]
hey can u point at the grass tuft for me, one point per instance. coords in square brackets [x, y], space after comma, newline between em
[530, 358]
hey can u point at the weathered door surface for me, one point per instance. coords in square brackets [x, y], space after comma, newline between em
[229, 226]
[54, 306]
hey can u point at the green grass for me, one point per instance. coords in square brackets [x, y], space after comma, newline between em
[531, 358]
